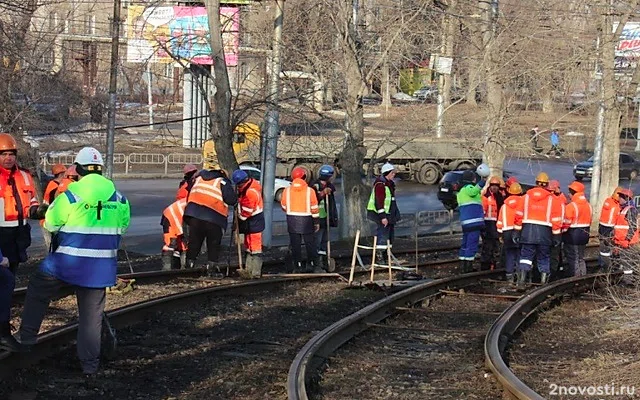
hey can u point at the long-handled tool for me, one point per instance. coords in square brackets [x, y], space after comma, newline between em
[126, 254]
[331, 263]
[111, 340]
[238, 244]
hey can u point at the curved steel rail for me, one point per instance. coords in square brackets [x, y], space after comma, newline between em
[512, 318]
[326, 342]
[127, 315]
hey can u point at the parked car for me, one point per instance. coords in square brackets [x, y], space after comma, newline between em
[450, 184]
[629, 168]
[280, 184]
[426, 93]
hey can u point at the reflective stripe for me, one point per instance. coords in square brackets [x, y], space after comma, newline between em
[527, 262]
[176, 220]
[579, 226]
[607, 225]
[299, 214]
[536, 222]
[471, 221]
[93, 253]
[25, 178]
[491, 219]
[91, 230]
[380, 211]
[605, 254]
[9, 224]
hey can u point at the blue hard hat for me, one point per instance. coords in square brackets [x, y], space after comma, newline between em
[239, 176]
[326, 171]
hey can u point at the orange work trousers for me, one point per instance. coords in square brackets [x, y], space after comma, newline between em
[253, 242]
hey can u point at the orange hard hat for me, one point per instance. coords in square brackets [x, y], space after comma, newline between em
[615, 193]
[494, 180]
[576, 186]
[554, 186]
[542, 177]
[511, 180]
[189, 168]
[299, 173]
[626, 192]
[515, 188]
[71, 172]
[58, 169]
[7, 142]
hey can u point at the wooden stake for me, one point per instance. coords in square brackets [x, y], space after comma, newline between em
[389, 261]
[416, 233]
[373, 257]
[353, 258]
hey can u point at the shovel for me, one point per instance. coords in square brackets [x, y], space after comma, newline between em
[331, 263]
[111, 341]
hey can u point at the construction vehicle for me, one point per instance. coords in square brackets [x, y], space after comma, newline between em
[421, 159]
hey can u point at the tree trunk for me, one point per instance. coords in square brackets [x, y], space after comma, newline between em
[546, 96]
[449, 44]
[220, 113]
[386, 86]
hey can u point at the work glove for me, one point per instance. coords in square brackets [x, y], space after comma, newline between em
[38, 212]
[516, 237]
[557, 240]
[316, 227]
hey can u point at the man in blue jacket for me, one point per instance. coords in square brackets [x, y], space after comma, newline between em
[471, 219]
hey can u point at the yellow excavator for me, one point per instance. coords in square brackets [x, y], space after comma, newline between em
[246, 146]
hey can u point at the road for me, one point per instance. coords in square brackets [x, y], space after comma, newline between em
[149, 197]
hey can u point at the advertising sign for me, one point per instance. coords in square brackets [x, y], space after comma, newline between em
[160, 34]
[628, 47]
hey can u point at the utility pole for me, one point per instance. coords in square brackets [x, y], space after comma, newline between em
[273, 125]
[113, 87]
[597, 151]
[441, 82]
[149, 95]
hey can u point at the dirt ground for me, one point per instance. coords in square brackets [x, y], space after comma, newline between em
[587, 343]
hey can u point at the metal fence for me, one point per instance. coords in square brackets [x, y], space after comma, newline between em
[134, 163]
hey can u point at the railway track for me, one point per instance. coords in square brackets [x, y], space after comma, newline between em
[425, 348]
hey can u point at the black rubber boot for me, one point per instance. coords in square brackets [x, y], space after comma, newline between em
[7, 341]
[510, 278]
[167, 259]
[213, 270]
[544, 278]
[522, 277]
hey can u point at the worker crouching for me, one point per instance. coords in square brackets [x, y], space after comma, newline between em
[471, 219]
[300, 204]
[506, 228]
[250, 219]
[175, 246]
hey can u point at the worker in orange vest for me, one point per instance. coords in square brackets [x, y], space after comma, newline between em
[492, 201]
[58, 172]
[576, 225]
[608, 215]
[625, 231]
[538, 227]
[506, 228]
[250, 219]
[175, 246]
[556, 263]
[189, 172]
[206, 215]
[20, 203]
[300, 204]
[70, 176]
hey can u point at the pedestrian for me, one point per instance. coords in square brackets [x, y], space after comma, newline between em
[189, 172]
[608, 215]
[250, 220]
[90, 219]
[471, 219]
[300, 204]
[533, 134]
[555, 143]
[555, 261]
[174, 250]
[325, 192]
[58, 172]
[492, 201]
[383, 209]
[538, 226]
[20, 203]
[576, 225]
[625, 234]
[206, 215]
[506, 226]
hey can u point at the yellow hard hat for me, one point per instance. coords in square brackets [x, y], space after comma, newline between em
[542, 178]
[515, 188]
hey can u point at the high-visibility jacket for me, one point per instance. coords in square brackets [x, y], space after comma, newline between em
[62, 187]
[250, 208]
[608, 216]
[18, 199]
[382, 201]
[626, 227]
[183, 190]
[210, 198]
[539, 218]
[577, 221]
[300, 204]
[50, 191]
[491, 205]
[470, 208]
[332, 210]
[89, 220]
[171, 222]
[506, 219]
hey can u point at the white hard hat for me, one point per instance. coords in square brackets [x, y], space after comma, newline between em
[483, 170]
[89, 156]
[387, 167]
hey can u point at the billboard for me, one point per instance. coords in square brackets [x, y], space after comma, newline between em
[628, 47]
[158, 34]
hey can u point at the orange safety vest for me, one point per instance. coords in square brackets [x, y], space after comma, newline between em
[541, 208]
[507, 214]
[250, 202]
[610, 212]
[300, 200]
[577, 213]
[183, 193]
[16, 210]
[621, 229]
[49, 192]
[174, 214]
[490, 207]
[209, 194]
